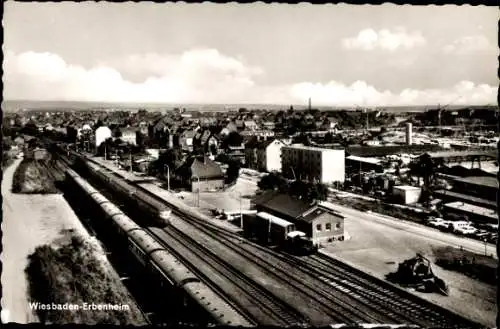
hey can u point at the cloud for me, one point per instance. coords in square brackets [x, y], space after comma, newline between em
[469, 45]
[361, 94]
[202, 76]
[369, 39]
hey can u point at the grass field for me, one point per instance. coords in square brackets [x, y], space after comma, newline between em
[72, 271]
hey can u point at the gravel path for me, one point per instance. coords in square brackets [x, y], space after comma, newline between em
[29, 221]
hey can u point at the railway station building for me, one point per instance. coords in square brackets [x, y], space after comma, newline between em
[320, 223]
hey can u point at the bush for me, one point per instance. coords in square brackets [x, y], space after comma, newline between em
[73, 274]
[33, 177]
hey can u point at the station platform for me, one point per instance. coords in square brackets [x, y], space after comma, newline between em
[130, 176]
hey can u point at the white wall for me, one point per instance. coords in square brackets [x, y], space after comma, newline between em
[333, 166]
[101, 134]
[273, 156]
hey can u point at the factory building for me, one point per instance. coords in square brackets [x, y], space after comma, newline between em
[313, 163]
[320, 223]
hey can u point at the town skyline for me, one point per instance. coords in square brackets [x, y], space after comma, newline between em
[188, 54]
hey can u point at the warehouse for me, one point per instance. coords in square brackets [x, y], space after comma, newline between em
[478, 186]
[318, 222]
[356, 164]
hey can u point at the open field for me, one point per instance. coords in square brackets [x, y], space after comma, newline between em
[473, 265]
[76, 272]
[377, 248]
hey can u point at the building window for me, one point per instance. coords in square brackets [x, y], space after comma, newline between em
[318, 227]
[328, 226]
[337, 226]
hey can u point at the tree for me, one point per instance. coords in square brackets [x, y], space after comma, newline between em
[273, 181]
[233, 171]
[318, 191]
[233, 139]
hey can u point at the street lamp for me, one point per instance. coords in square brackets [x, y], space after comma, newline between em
[198, 189]
[485, 241]
[168, 176]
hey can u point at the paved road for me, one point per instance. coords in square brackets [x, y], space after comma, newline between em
[420, 230]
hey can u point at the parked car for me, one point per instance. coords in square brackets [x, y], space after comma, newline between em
[465, 230]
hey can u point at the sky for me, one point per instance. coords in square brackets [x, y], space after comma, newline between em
[338, 55]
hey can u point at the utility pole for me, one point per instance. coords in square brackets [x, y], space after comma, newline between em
[130, 157]
[168, 177]
[105, 152]
[241, 213]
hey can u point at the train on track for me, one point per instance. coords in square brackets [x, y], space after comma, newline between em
[267, 229]
[159, 262]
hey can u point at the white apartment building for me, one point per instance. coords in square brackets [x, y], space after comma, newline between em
[269, 156]
[313, 163]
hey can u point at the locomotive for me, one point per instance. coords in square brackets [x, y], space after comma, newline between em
[159, 262]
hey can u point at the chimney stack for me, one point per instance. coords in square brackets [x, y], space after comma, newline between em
[409, 133]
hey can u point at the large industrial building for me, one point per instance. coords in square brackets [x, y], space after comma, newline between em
[319, 223]
[313, 163]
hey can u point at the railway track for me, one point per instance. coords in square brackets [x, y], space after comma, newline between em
[395, 303]
[341, 307]
[376, 301]
[258, 303]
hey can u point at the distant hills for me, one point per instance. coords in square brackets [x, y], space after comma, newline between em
[14, 105]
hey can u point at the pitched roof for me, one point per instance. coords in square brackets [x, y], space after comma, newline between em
[480, 180]
[205, 168]
[282, 203]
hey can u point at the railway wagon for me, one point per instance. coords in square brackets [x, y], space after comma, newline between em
[132, 195]
[161, 264]
[266, 228]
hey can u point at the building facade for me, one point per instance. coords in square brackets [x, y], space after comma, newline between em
[313, 163]
[319, 223]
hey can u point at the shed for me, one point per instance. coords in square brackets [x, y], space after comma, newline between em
[407, 194]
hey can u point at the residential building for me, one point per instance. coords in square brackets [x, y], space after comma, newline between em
[186, 140]
[202, 174]
[250, 125]
[319, 223]
[129, 135]
[313, 163]
[265, 155]
[101, 134]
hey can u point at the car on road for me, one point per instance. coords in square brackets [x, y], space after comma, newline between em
[466, 230]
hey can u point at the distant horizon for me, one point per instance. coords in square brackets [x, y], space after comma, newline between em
[34, 104]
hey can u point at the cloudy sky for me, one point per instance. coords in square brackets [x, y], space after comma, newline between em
[255, 53]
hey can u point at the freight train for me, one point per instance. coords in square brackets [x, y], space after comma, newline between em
[271, 230]
[159, 262]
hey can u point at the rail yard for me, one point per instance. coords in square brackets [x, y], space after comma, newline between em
[234, 281]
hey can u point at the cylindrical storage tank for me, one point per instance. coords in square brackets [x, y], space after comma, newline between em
[409, 133]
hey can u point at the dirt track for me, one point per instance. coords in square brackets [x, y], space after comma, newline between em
[29, 221]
